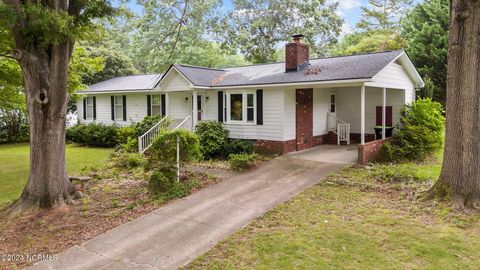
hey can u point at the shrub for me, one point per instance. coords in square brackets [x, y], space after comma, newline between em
[13, 126]
[164, 147]
[127, 160]
[93, 134]
[237, 146]
[148, 122]
[123, 134]
[241, 162]
[164, 182]
[421, 134]
[213, 138]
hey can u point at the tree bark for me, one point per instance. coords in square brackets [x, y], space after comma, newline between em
[460, 175]
[45, 74]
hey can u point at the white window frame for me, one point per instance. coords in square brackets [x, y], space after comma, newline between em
[333, 103]
[159, 105]
[89, 108]
[244, 107]
[118, 116]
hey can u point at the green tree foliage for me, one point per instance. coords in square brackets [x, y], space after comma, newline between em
[372, 41]
[384, 15]
[378, 29]
[213, 138]
[259, 27]
[170, 32]
[425, 30]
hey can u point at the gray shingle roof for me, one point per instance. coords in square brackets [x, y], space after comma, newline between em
[126, 83]
[357, 66]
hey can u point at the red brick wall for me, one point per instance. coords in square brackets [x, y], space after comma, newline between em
[296, 54]
[304, 119]
[369, 151]
[275, 147]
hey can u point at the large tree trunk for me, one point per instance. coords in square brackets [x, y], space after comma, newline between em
[45, 79]
[460, 176]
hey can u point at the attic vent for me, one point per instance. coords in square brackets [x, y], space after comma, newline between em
[313, 70]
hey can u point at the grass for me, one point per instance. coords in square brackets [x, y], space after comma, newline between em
[14, 164]
[360, 218]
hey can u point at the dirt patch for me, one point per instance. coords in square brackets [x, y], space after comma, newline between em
[114, 196]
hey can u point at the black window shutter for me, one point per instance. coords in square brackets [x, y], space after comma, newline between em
[85, 108]
[164, 105]
[94, 108]
[124, 99]
[220, 106]
[259, 107]
[112, 102]
[149, 105]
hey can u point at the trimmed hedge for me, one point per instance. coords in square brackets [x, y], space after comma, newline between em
[213, 138]
[164, 147]
[93, 134]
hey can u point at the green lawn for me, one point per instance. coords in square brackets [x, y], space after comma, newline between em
[356, 220]
[14, 162]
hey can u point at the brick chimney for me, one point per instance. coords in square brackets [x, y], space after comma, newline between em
[296, 54]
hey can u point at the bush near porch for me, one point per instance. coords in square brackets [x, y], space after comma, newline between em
[420, 135]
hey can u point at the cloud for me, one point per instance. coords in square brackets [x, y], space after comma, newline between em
[349, 4]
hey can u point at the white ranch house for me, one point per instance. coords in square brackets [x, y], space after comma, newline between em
[284, 107]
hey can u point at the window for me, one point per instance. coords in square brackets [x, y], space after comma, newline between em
[118, 103]
[240, 107]
[332, 103]
[236, 107]
[156, 105]
[250, 108]
[89, 107]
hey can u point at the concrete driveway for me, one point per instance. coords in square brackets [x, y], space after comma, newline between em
[173, 235]
[328, 153]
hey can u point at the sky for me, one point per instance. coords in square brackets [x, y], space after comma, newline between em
[349, 10]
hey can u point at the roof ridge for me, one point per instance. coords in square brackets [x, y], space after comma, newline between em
[199, 67]
[318, 58]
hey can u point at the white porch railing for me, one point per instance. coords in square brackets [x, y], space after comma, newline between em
[147, 138]
[339, 127]
[185, 124]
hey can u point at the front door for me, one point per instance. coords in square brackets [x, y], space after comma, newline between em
[304, 119]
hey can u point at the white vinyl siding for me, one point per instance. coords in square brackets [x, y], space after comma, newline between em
[136, 109]
[395, 76]
[175, 82]
[321, 106]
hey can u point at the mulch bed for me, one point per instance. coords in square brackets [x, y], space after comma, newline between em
[109, 202]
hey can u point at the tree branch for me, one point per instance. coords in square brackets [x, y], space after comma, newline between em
[180, 26]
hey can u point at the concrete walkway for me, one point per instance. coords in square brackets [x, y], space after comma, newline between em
[175, 234]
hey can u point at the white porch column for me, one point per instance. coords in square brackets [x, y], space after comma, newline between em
[194, 109]
[167, 104]
[384, 111]
[362, 115]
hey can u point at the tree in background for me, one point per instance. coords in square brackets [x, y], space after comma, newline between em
[259, 27]
[40, 36]
[176, 32]
[378, 29]
[460, 175]
[425, 31]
